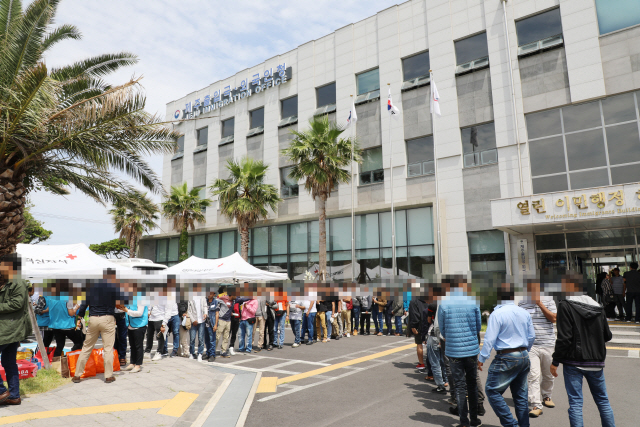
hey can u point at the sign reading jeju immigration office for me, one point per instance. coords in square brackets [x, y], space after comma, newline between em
[221, 98]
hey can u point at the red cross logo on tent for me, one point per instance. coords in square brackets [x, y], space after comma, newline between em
[71, 256]
[221, 265]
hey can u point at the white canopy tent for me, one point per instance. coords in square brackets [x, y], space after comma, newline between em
[343, 272]
[221, 270]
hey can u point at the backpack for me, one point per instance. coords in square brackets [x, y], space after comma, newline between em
[40, 305]
[183, 306]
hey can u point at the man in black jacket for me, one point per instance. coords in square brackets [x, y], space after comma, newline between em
[582, 333]
[416, 307]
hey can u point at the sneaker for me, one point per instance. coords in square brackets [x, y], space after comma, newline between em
[548, 402]
[324, 340]
[355, 333]
[453, 410]
[295, 345]
[205, 357]
[257, 350]
[420, 366]
[280, 347]
[440, 390]
[428, 378]
[348, 336]
[535, 413]
[231, 352]
[212, 359]
[225, 355]
[637, 321]
[476, 423]
[628, 321]
[451, 401]
[136, 370]
[157, 357]
[481, 410]
[310, 342]
[248, 351]
[199, 358]
[174, 353]
[191, 356]
[328, 339]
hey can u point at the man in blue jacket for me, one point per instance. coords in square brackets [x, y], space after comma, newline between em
[460, 322]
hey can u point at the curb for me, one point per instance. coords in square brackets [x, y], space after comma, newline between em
[213, 401]
[247, 404]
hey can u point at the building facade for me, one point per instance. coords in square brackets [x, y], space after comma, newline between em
[563, 91]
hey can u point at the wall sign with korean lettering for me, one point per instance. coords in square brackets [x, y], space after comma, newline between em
[257, 83]
[523, 256]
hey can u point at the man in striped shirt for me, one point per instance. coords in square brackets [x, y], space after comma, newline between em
[542, 310]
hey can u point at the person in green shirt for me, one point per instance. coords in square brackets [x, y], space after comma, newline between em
[15, 324]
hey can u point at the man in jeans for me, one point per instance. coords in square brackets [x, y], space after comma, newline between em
[174, 319]
[542, 310]
[225, 306]
[198, 312]
[460, 322]
[355, 315]
[212, 325]
[582, 333]
[308, 321]
[510, 331]
[632, 288]
[294, 313]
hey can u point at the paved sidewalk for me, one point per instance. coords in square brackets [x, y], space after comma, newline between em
[157, 381]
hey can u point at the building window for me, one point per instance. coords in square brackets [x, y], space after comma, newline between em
[479, 145]
[368, 82]
[202, 135]
[257, 118]
[180, 144]
[486, 251]
[325, 95]
[371, 170]
[539, 27]
[288, 185]
[415, 66]
[202, 193]
[200, 169]
[176, 171]
[615, 15]
[585, 145]
[420, 156]
[290, 106]
[227, 127]
[471, 49]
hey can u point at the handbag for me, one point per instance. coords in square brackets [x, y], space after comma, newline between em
[251, 321]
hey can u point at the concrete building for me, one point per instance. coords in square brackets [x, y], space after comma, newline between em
[570, 71]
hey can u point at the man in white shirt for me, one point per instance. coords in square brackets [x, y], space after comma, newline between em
[157, 327]
[198, 312]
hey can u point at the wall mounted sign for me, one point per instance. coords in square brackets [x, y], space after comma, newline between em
[523, 256]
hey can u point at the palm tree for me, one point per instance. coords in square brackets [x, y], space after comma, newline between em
[320, 156]
[133, 218]
[245, 197]
[66, 127]
[184, 207]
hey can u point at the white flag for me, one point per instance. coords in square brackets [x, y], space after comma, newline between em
[392, 109]
[353, 116]
[435, 99]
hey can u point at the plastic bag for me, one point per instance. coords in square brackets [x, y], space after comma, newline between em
[89, 368]
[98, 356]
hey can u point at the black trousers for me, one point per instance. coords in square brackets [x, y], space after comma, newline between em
[365, 318]
[120, 343]
[136, 343]
[268, 331]
[61, 336]
[631, 297]
[388, 320]
[235, 324]
[47, 337]
[153, 329]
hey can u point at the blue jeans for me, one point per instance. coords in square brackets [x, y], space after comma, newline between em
[327, 317]
[433, 354]
[311, 325]
[199, 330]
[246, 333]
[465, 372]
[174, 329]
[279, 329]
[379, 325]
[595, 379]
[355, 318]
[509, 371]
[398, 325]
[295, 327]
[211, 341]
[8, 361]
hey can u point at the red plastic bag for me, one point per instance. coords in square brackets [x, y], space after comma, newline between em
[89, 368]
[26, 369]
[50, 351]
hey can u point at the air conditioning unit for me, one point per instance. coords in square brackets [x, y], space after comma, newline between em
[541, 45]
[415, 83]
[226, 140]
[288, 121]
[474, 65]
[368, 97]
[325, 110]
[255, 131]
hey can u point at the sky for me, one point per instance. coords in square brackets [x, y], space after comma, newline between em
[182, 46]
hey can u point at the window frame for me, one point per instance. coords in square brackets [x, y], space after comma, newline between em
[282, 101]
[223, 124]
[375, 176]
[561, 33]
[251, 125]
[458, 63]
[404, 78]
[287, 191]
[358, 93]
[421, 163]
[335, 94]
[480, 154]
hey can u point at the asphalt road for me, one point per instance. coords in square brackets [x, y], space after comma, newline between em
[388, 391]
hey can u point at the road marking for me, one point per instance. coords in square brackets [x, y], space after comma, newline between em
[172, 407]
[623, 348]
[634, 354]
[199, 422]
[268, 385]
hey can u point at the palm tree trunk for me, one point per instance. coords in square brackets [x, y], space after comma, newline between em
[132, 248]
[244, 242]
[184, 240]
[12, 201]
[322, 244]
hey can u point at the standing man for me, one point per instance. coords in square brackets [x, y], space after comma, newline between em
[102, 297]
[347, 306]
[582, 333]
[212, 325]
[247, 320]
[366, 302]
[281, 316]
[225, 306]
[542, 310]
[294, 313]
[15, 324]
[416, 308]
[261, 317]
[355, 314]
[510, 332]
[198, 312]
[321, 325]
[617, 282]
[310, 317]
[632, 288]
[460, 323]
[174, 319]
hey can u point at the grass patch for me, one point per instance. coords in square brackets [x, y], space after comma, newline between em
[484, 327]
[47, 379]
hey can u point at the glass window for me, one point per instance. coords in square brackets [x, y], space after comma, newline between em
[486, 250]
[228, 243]
[421, 261]
[176, 171]
[474, 47]
[625, 174]
[298, 237]
[617, 237]
[202, 193]
[618, 109]
[257, 118]
[578, 240]
[174, 249]
[544, 123]
[539, 27]
[213, 245]
[199, 245]
[368, 82]
[203, 136]
[290, 106]
[371, 168]
[200, 169]
[547, 156]
[326, 95]
[589, 178]
[180, 144]
[288, 185]
[227, 127]
[401, 228]
[420, 156]
[340, 234]
[549, 241]
[402, 261]
[581, 116]
[161, 250]
[314, 236]
[549, 184]
[260, 241]
[415, 66]
[586, 150]
[419, 225]
[367, 231]
[615, 15]
[278, 239]
[479, 145]
[623, 143]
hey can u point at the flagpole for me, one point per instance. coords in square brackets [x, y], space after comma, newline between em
[353, 200]
[393, 220]
[435, 162]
